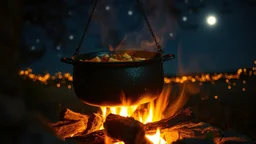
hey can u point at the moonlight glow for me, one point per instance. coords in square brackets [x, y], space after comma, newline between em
[211, 20]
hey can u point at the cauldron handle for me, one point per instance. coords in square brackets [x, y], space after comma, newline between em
[149, 27]
[67, 60]
[85, 29]
[167, 57]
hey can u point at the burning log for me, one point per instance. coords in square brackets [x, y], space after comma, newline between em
[94, 123]
[125, 129]
[67, 114]
[190, 130]
[182, 116]
[66, 129]
[73, 123]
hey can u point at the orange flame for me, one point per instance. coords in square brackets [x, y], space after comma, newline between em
[156, 138]
[153, 112]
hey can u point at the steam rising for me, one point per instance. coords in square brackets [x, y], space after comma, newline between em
[123, 31]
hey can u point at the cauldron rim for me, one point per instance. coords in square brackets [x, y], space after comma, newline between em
[153, 57]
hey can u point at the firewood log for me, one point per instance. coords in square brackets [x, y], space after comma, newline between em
[70, 124]
[125, 129]
[94, 123]
[66, 129]
[67, 114]
[181, 117]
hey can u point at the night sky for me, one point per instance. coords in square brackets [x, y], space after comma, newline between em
[224, 46]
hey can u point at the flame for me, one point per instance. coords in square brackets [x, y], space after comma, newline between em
[150, 112]
[119, 46]
[156, 138]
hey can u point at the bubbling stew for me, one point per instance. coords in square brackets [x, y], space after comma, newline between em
[115, 58]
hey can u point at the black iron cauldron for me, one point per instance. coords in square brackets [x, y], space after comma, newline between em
[112, 83]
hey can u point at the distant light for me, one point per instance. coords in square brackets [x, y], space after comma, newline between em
[58, 47]
[71, 37]
[130, 12]
[211, 20]
[171, 34]
[37, 40]
[186, 1]
[58, 85]
[33, 48]
[107, 8]
[184, 18]
[70, 12]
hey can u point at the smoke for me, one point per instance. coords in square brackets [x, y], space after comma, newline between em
[123, 25]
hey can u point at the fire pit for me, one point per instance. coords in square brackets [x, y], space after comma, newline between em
[87, 129]
[139, 124]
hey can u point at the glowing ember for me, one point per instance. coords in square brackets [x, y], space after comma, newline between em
[153, 112]
[156, 138]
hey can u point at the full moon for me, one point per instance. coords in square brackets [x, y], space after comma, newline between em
[211, 20]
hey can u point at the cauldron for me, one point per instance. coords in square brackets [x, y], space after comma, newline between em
[113, 83]
[118, 83]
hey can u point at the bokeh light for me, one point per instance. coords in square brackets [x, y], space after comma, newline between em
[66, 79]
[33, 48]
[184, 18]
[107, 8]
[130, 12]
[71, 37]
[211, 20]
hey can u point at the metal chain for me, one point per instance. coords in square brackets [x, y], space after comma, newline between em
[91, 15]
[149, 27]
[86, 27]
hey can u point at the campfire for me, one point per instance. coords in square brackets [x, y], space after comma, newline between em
[152, 123]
